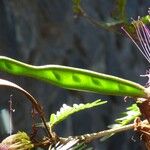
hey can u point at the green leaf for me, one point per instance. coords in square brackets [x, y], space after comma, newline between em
[131, 113]
[66, 111]
[76, 6]
[75, 78]
[129, 116]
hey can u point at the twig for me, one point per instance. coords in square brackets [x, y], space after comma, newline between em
[38, 108]
[33, 101]
[87, 138]
[100, 24]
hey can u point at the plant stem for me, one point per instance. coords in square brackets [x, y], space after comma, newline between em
[33, 101]
[87, 138]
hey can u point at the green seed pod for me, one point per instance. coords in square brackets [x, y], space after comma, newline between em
[75, 78]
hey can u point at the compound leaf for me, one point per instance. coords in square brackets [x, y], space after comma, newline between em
[66, 111]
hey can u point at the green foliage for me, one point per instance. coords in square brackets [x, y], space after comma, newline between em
[128, 116]
[66, 111]
[74, 78]
[131, 113]
[76, 6]
[18, 141]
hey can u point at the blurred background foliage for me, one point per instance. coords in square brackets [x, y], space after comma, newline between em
[48, 32]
